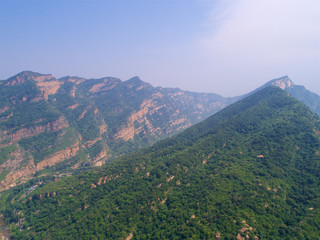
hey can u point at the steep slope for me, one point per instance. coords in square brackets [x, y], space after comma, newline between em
[52, 126]
[250, 171]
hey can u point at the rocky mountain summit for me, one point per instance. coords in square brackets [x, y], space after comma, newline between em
[283, 83]
[299, 92]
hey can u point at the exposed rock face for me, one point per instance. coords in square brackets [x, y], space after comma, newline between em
[217, 236]
[27, 76]
[18, 170]
[73, 91]
[83, 113]
[29, 132]
[180, 109]
[99, 160]
[47, 84]
[74, 106]
[105, 85]
[60, 156]
[24, 171]
[283, 83]
[76, 80]
[130, 236]
[239, 237]
[140, 116]
[20, 165]
[90, 143]
[103, 128]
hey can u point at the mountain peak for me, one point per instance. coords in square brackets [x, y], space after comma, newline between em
[27, 76]
[282, 82]
[31, 74]
[135, 79]
[137, 82]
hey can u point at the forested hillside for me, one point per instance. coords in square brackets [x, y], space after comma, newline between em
[250, 171]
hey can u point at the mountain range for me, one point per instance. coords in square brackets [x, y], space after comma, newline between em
[250, 171]
[56, 127]
[49, 125]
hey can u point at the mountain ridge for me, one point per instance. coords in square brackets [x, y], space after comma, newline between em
[56, 126]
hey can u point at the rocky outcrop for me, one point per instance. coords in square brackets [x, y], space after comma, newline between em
[283, 83]
[59, 156]
[96, 87]
[74, 106]
[19, 165]
[76, 80]
[91, 142]
[181, 122]
[130, 236]
[73, 91]
[218, 236]
[47, 84]
[128, 132]
[33, 131]
[105, 85]
[26, 76]
[19, 169]
[103, 128]
[100, 159]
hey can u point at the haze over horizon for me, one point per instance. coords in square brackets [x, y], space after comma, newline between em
[223, 47]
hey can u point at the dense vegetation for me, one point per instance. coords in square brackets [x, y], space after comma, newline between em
[253, 169]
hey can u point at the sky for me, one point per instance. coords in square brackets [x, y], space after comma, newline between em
[229, 47]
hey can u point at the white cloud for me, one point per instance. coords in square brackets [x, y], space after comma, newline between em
[267, 38]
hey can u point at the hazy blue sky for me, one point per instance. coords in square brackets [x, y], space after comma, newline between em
[224, 46]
